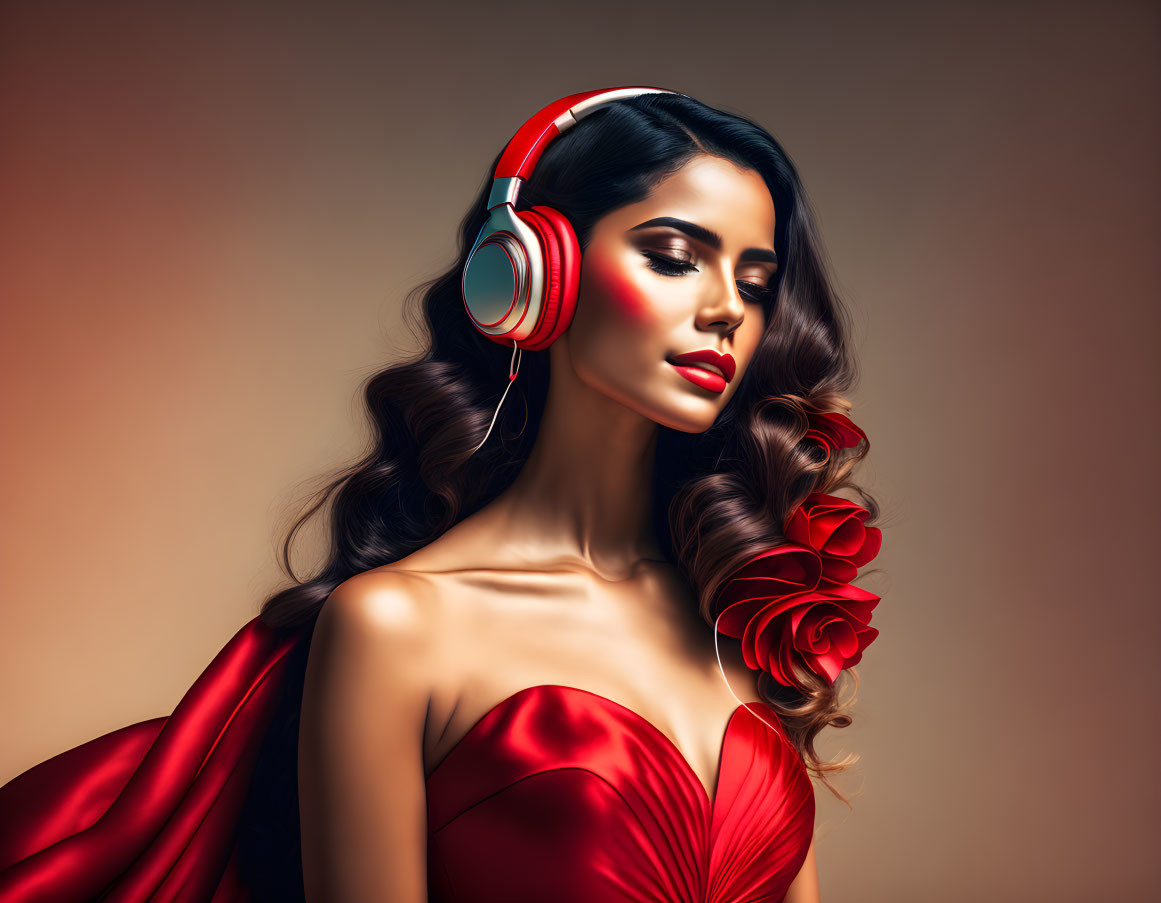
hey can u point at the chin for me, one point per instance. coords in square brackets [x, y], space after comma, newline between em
[688, 421]
[687, 427]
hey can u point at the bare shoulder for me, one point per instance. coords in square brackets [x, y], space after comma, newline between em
[378, 603]
[374, 663]
[392, 620]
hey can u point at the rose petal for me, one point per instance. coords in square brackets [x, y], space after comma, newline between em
[833, 429]
[834, 527]
[838, 570]
[871, 546]
[866, 637]
[734, 620]
[828, 665]
[795, 563]
[765, 578]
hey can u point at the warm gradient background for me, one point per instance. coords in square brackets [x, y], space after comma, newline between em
[210, 219]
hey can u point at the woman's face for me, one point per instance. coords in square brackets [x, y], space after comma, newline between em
[684, 270]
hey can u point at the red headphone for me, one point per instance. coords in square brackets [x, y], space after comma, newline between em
[520, 280]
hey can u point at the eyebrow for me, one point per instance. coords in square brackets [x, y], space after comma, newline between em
[706, 236]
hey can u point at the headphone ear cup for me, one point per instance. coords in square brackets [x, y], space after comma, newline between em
[561, 256]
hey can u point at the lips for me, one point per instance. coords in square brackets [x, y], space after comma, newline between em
[706, 368]
[703, 378]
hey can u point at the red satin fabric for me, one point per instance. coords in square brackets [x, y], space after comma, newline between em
[561, 794]
[148, 812]
[555, 794]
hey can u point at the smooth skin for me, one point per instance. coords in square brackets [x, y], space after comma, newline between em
[559, 580]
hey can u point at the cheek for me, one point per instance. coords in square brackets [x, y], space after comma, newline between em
[620, 293]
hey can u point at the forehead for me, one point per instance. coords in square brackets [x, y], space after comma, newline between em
[711, 192]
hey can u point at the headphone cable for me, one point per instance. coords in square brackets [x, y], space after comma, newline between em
[513, 369]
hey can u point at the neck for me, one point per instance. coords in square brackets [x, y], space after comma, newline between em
[585, 495]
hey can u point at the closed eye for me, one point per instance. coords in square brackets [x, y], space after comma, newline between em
[668, 266]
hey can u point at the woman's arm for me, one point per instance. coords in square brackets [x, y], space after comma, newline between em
[804, 888]
[362, 790]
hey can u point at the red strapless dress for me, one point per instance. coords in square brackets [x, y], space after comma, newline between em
[555, 794]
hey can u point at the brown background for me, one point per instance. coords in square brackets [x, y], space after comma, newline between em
[210, 220]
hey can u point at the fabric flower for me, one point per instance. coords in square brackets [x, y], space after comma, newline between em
[827, 630]
[834, 527]
[833, 430]
[795, 603]
[778, 573]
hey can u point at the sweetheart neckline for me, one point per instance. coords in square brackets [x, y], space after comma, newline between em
[708, 798]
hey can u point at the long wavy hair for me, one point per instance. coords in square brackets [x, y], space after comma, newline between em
[721, 496]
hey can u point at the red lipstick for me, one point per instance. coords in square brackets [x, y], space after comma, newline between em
[701, 368]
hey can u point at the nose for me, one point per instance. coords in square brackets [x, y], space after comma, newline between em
[722, 308]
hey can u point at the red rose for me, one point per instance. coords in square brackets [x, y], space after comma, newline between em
[833, 430]
[775, 574]
[834, 527]
[826, 630]
[794, 603]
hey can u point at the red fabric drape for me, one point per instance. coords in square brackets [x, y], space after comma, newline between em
[150, 811]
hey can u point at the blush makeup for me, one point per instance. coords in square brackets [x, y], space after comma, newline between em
[628, 299]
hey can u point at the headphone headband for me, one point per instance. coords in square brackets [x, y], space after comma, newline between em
[522, 152]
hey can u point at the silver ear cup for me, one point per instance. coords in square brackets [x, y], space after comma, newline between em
[495, 279]
[503, 280]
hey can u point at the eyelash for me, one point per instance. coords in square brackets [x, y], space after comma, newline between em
[667, 266]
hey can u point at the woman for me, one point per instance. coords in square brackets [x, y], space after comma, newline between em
[501, 684]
